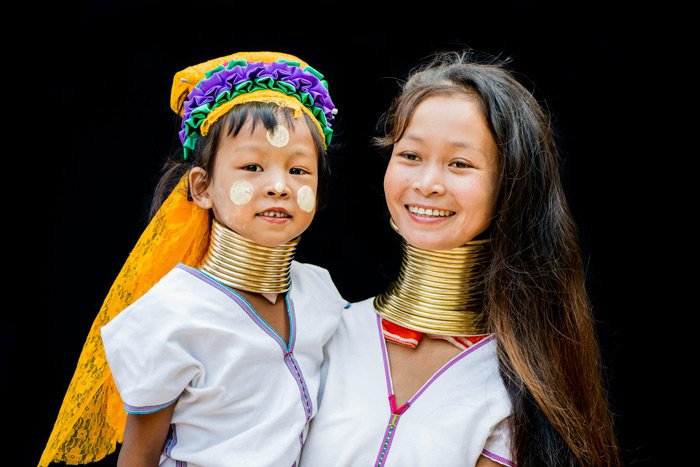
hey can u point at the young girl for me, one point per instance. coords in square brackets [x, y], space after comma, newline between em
[483, 352]
[212, 333]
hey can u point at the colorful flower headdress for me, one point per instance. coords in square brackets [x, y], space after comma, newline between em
[203, 93]
[91, 419]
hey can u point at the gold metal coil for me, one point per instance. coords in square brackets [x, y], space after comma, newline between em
[438, 292]
[242, 264]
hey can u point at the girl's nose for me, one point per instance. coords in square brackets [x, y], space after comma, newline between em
[278, 189]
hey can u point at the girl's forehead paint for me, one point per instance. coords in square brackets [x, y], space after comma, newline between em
[278, 136]
[241, 192]
[306, 199]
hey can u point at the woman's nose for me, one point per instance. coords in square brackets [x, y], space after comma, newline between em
[429, 181]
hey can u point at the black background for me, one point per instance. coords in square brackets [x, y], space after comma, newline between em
[99, 126]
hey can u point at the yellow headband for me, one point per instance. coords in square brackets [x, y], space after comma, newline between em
[184, 81]
[202, 93]
[262, 95]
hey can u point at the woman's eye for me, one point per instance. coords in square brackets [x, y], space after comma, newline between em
[252, 168]
[461, 164]
[409, 156]
[298, 171]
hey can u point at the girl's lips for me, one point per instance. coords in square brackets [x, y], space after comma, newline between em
[275, 215]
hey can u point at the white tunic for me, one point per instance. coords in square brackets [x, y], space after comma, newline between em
[459, 414]
[243, 396]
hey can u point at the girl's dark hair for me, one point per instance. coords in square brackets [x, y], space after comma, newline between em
[535, 298]
[267, 114]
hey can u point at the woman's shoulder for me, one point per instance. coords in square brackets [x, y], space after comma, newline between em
[311, 278]
[362, 316]
[366, 305]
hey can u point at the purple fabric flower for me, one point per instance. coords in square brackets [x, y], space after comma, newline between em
[226, 79]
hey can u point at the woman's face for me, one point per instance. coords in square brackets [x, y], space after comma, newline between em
[440, 185]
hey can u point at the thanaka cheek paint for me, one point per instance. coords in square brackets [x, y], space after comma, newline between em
[241, 192]
[278, 136]
[306, 198]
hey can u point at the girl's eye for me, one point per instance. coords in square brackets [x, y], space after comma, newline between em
[298, 171]
[252, 168]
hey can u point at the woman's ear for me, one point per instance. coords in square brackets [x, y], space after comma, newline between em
[198, 187]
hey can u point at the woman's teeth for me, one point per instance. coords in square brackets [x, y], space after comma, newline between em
[430, 212]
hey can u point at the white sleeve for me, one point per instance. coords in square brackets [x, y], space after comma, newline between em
[147, 352]
[498, 444]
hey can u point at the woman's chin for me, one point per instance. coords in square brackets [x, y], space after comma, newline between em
[430, 241]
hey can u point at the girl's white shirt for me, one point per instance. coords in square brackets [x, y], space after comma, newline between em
[242, 395]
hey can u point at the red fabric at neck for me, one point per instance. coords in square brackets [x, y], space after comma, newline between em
[408, 337]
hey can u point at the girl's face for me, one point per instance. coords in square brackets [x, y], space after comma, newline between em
[441, 182]
[263, 183]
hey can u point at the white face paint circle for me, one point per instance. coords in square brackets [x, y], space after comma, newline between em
[279, 187]
[278, 136]
[241, 192]
[306, 199]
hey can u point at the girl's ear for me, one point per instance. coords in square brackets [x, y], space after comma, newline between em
[198, 188]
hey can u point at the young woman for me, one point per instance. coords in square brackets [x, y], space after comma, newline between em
[483, 351]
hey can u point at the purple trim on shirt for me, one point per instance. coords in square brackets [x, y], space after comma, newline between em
[292, 320]
[289, 359]
[294, 368]
[382, 342]
[396, 414]
[387, 440]
[147, 408]
[247, 307]
[497, 458]
[449, 364]
[387, 371]
[171, 441]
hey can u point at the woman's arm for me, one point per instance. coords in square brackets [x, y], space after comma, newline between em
[486, 462]
[144, 437]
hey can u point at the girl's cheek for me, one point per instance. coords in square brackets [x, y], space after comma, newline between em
[306, 198]
[241, 192]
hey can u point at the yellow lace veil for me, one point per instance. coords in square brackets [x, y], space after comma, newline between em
[91, 419]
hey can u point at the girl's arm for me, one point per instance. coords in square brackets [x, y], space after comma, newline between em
[144, 437]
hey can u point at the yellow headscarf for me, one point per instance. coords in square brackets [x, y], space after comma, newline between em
[91, 419]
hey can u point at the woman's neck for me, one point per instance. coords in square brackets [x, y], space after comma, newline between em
[438, 292]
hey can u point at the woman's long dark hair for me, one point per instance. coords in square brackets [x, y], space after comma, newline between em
[535, 299]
